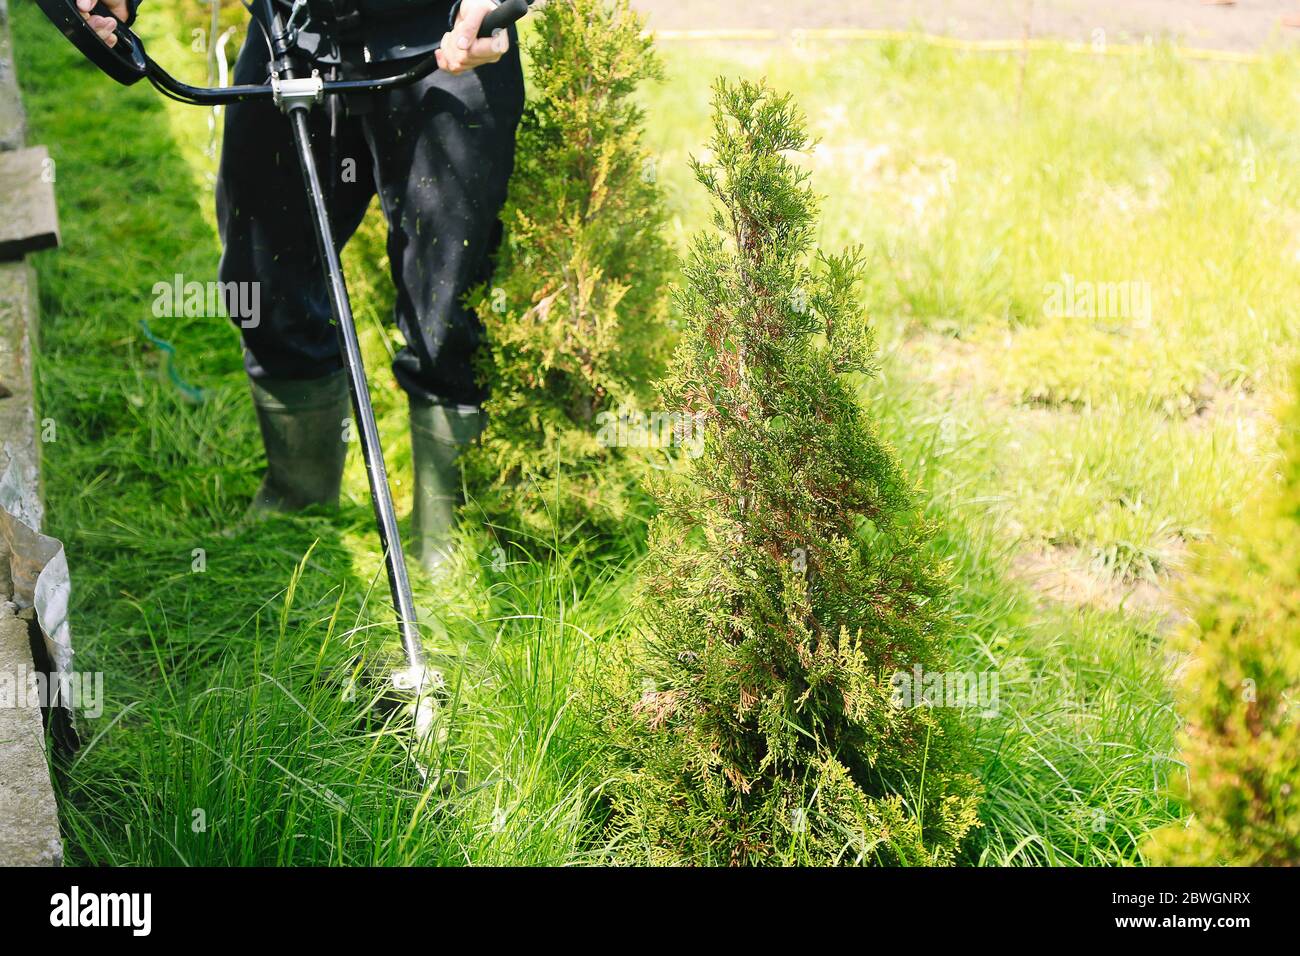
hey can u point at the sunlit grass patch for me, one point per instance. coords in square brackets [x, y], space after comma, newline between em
[1108, 441]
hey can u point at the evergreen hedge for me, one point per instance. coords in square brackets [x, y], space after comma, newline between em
[576, 312]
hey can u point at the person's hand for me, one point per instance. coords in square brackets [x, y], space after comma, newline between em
[104, 26]
[461, 48]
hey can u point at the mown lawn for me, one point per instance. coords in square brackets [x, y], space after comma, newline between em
[1071, 459]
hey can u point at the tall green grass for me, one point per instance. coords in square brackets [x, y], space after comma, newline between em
[1113, 442]
[275, 753]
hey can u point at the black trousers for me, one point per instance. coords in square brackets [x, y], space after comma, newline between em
[438, 153]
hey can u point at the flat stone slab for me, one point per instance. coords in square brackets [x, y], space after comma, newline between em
[29, 822]
[12, 121]
[29, 220]
[19, 445]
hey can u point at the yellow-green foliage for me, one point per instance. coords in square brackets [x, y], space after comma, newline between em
[1242, 691]
[1141, 367]
[575, 314]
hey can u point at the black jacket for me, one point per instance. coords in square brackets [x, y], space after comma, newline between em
[392, 29]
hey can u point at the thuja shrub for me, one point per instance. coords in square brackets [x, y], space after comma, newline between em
[791, 577]
[576, 312]
[1241, 690]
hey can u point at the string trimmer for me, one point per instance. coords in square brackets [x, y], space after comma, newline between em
[296, 86]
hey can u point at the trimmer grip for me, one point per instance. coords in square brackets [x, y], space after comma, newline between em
[126, 42]
[510, 11]
[101, 10]
[124, 61]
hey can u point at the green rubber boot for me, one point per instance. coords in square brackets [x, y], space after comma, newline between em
[302, 426]
[439, 433]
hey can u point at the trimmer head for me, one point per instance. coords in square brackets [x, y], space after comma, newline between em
[124, 62]
[415, 697]
[420, 690]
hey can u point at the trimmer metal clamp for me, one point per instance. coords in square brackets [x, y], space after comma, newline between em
[297, 94]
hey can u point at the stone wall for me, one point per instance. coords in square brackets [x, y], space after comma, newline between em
[29, 825]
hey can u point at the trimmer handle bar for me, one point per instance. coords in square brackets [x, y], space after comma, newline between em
[127, 62]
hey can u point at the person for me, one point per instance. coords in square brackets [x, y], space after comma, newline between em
[439, 154]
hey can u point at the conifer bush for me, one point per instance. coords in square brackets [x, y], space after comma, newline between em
[791, 576]
[576, 312]
[1241, 690]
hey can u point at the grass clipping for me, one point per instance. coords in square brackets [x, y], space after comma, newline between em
[792, 579]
